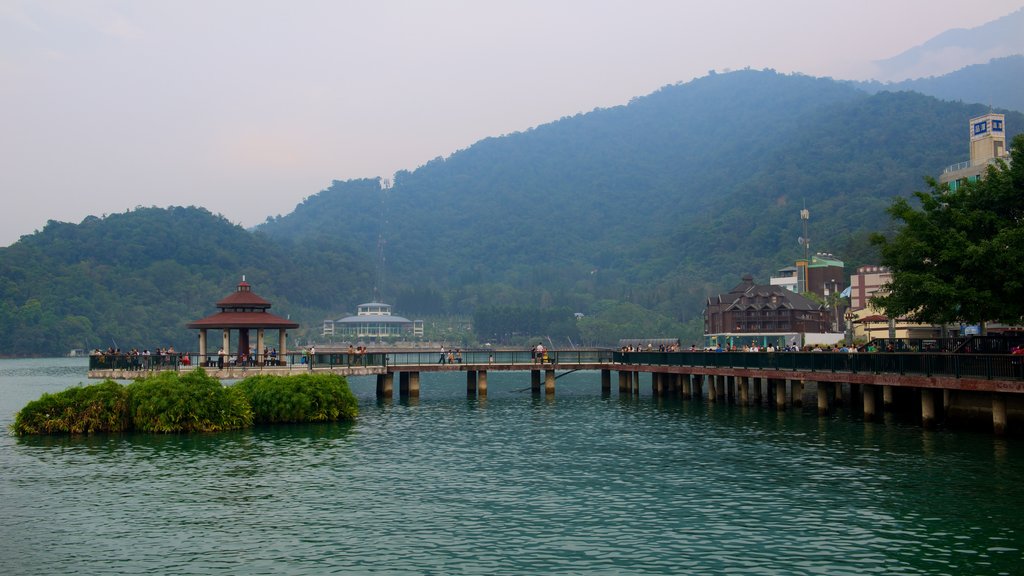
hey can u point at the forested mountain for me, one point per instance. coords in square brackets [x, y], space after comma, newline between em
[630, 215]
[659, 203]
[135, 279]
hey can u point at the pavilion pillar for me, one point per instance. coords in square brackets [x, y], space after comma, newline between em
[261, 359]
[202, 347]
[282, 347]
[226, 342]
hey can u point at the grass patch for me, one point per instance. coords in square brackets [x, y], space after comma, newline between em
[188, 402]
[300, 398]
[99, 407]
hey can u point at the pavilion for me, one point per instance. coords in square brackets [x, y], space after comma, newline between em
[243, 310]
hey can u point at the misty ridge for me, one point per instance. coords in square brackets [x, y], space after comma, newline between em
[630, 215]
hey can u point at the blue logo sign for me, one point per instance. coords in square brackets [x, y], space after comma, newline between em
[980, 128]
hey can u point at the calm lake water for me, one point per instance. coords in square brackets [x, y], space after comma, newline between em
[512, 484]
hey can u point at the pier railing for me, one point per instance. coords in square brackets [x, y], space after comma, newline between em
[188, 360]
[984, 366]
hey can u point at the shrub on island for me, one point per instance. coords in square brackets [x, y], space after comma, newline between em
[99, 407]
[300, 398]
[188, 402]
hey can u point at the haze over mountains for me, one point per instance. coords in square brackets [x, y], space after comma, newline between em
[955, 49]
[630, 215]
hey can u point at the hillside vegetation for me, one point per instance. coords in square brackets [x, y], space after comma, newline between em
[630, 215]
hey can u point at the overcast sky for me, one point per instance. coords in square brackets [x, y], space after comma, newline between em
[246, 107]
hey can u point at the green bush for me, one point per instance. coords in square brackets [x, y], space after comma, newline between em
[300, 398]
[99, 407]
[189, 402]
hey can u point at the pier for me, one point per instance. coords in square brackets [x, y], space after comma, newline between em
[970, 387]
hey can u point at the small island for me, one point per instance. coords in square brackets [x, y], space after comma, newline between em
[171, 402]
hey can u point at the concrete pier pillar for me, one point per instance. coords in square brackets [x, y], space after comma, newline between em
[481, 383]
[780, 394]
[824, 392]
[549, 382]
[869, 401]
[797, 387]
[403, 384]
[687, 390]
[606, 381]
[385, 384]
[886, 398]
[837, 390]
[471, 383]
[756, 386]
[623, 382]
[698, 385]
[998, 413]
[636, 383]
[414, 384]
[535, 381]
[742, 390]
[712, 388]
[927, 408]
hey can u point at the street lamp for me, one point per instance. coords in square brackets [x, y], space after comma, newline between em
[849, 326]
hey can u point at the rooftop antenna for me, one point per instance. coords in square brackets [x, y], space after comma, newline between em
[804, 241]
[378, 288]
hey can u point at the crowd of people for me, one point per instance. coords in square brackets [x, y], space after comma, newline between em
[134, 359]
[450, 356]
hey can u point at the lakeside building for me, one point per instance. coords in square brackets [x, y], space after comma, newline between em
[764, 314]
[987, 146]
[373, 321]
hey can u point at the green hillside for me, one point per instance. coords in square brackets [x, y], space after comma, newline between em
[134, 279]
[630, 215]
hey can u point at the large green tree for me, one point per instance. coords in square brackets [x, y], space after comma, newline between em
[959, 256]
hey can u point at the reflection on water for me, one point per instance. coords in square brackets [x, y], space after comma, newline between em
[514, 482]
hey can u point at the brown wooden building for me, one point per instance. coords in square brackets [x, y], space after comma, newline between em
[763, 308]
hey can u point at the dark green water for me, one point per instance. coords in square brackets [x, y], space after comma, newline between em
[512, 484]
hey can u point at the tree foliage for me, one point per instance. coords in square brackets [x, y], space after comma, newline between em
[958, 257]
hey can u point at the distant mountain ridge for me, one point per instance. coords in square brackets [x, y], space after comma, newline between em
[998, 83]
[955, 49]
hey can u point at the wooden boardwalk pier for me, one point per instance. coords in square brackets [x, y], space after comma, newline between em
[970, 386]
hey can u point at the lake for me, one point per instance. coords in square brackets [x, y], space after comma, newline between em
[576, 484]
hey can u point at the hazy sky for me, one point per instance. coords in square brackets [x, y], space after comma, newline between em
[246, 107]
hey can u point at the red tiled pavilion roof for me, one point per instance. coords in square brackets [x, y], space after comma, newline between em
[243, 308]
[243, 320]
